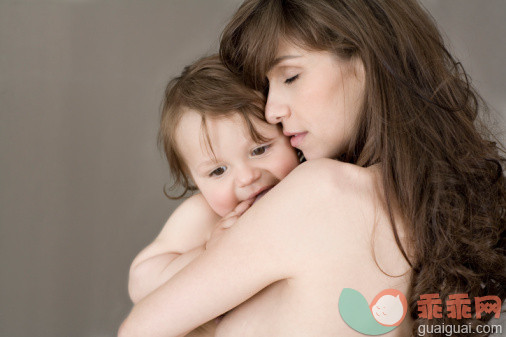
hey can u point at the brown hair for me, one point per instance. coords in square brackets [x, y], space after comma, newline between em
[419, 120]
[208, 88]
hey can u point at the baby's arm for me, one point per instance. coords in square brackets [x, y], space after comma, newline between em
[181, 240]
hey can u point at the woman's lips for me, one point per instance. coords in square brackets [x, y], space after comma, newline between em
[296, 139]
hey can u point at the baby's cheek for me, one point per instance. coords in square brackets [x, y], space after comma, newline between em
[286, 165]
[222, 200]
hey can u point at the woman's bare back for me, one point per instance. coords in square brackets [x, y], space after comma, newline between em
[334, 251]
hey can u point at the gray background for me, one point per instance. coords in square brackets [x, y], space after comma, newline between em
[80, 175]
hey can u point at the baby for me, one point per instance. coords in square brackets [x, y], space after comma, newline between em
[216, 141]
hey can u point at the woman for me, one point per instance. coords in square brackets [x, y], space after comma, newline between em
[414, 202]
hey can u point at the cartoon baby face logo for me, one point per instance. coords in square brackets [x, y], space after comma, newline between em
[389, 307]
[386, 311]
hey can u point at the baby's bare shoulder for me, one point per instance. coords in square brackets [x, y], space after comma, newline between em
[190, 224]
[194, 211]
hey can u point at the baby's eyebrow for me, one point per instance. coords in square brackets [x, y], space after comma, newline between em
[207, 163]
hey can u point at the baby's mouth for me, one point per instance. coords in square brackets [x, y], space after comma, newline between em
[261, 194]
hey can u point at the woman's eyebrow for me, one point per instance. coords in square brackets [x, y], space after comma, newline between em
[283, 58]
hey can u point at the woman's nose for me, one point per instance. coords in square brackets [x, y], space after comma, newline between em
[247, 175]
[275, 109]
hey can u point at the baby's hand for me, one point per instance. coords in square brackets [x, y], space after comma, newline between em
[227, 221]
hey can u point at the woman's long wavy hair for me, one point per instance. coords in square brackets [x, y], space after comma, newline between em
[419, 120]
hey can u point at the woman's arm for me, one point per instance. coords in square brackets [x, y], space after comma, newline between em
[264, 246]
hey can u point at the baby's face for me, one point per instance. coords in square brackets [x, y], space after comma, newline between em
[243, 168]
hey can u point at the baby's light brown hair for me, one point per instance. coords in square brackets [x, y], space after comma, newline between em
[208, 88]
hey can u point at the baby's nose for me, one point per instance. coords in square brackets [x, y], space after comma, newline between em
[247, 175]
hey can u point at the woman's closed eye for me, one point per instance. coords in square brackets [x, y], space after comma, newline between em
[258, 151]
[218, 171]
[291, 79]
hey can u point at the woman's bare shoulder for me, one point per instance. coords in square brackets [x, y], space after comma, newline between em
[333, 214]
[330, 181]
[320, 199]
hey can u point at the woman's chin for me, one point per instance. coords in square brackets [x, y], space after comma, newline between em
[309, 155]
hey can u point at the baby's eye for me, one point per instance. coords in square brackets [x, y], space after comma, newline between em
[260, 150]
[218, 171]
[291, 79]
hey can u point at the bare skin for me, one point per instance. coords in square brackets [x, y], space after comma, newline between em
[190, 229]
[304, 258]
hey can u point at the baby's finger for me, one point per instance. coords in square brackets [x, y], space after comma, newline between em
[243, 207]
[232, 217]
[229, 221]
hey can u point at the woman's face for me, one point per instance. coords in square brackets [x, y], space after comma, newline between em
[317, 97]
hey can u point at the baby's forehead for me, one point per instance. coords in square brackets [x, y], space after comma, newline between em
[240, 121]
[236, 127]
[252, 126]
[200, 132]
